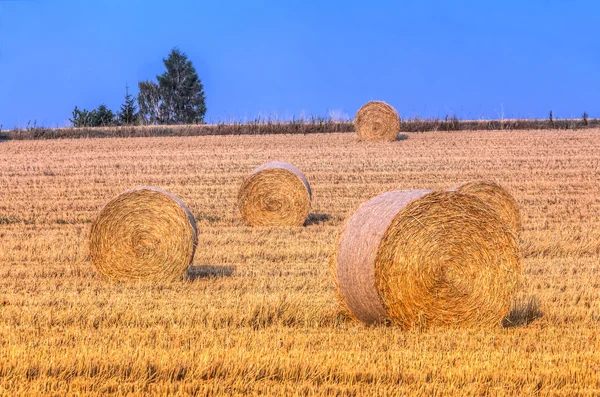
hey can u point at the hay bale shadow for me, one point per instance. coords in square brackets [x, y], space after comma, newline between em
[401, 137]
[523, 312]
[315, 219]
[201, 217]
[214, 272]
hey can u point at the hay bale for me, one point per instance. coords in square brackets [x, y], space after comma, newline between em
[496, 197]
[275, 194]
[417, 258]
[143, 234]
[377, 121]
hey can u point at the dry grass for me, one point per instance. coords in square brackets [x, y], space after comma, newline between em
[312, 125]
[258, 313]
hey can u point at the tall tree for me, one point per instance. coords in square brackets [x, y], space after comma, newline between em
[177, 98]
[149, 101]
[127, 115]
[183, 100]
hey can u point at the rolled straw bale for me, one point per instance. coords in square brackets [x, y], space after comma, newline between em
[275, 194]
[496, 197]
[417, 258]
[377, 121]
[143, 234]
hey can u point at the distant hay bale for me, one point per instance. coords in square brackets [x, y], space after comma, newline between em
[275, 194]
[419, 259]
[496, 197]
[377, 121]
[143, 234]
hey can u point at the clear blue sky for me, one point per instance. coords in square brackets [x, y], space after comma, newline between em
[473, 58]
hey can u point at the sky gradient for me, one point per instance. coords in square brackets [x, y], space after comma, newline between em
[475, 59]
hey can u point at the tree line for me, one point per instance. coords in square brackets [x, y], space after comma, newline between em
[176, 97]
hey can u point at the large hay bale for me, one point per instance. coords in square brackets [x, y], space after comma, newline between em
[143, 234]
[417, 258]
[496, 197]
[377, 121]
[275, 194]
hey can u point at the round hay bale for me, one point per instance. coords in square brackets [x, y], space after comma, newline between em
[417, 258]
[377, 121]
[143, 234]
[496, 197]
[275, 194]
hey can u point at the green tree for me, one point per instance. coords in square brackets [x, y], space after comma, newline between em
[177, 98]
[182, 91]
[80, 118]
[102, 117]
[128, 113]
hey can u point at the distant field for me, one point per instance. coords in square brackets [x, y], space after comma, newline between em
[258, 314]
[314, 125]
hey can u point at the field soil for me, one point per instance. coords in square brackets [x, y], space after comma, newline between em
[257, 313]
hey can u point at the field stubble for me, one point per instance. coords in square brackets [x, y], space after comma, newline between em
[258, 312]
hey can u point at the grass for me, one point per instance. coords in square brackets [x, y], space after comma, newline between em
[313, 125]
[257, 313]
[452, 123]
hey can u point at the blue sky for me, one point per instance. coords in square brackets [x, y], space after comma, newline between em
[475, 59]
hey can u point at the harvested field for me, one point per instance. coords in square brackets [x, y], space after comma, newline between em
[258, 312]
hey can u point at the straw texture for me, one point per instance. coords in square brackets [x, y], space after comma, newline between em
[357, 250]
[377, 121]
[416, 258]
[143, 234]
[496, 197]
[275, 194]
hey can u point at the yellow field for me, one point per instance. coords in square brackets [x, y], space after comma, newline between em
[258, 314]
